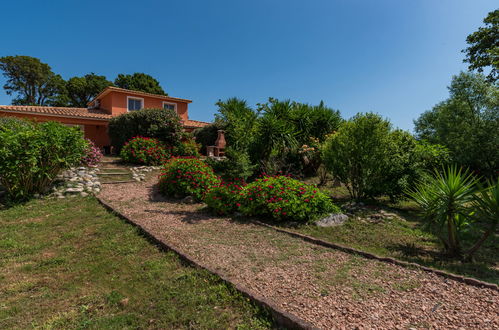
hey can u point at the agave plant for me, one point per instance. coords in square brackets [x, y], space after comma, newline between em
[446, 200]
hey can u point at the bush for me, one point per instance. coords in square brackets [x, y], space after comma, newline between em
[372, 159]
[236, 165]
[143, 150]
[284, 198]
[226, 197]
[160, 124]
[92, 155]
[187, 176]
[31, 155]
[188, 148]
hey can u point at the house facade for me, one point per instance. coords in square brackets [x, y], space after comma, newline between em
[111, 102]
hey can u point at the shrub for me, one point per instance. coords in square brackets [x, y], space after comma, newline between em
[31, 155]
[188, 148]
[160, 124]
[372, 159]
[187, 176]
[92, 155]
[143, 150]
[225, 198]
[284, 198]
[236, 165]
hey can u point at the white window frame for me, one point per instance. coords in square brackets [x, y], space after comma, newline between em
[170, 103]
[134, 98]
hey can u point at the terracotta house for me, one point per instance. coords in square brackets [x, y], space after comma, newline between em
[111, 102]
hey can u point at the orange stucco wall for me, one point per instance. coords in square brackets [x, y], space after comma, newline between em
[95, 130]
[116, 103]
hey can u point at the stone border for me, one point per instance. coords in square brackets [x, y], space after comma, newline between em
[316, 241]
[280, 316]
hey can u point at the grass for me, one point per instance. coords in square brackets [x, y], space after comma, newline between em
[70, 264]
[405, 238]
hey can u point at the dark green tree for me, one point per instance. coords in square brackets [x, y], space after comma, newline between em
[483, 50]
[139, 82]
[466, 123]
[81, 90]
[30, 80]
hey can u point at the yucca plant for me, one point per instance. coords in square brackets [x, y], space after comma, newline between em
[446, 200]
[486, 207]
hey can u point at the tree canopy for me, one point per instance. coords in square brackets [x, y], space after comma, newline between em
[139, 82]
[81, 90]
[466, 123]
[30, 80]
[483, 50]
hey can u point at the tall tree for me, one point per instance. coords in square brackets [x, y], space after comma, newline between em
[81, 90]
[466, 123]
[139, 82]
[483, 50]
[32, 81]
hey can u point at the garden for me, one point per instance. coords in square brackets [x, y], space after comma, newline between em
[356, 182]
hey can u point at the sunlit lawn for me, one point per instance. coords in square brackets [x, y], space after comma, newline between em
[70, 264]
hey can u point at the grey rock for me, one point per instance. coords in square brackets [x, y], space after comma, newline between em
[74, 190]
[332, 220]
[83, 194]
[188, 200]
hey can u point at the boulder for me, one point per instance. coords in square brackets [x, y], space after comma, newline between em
[332, 220]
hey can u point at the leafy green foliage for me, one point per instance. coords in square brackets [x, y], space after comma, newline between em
[139, 82]
[160, 124]
[372, 159]
[143, 150]
[446, 201]
[483, 50]
[187, 148]
[236, 165]
[187, 177]
[32, 81]
[238, 120]
[225, 197]
[466, 123]
[31, 155]
[81, 90]
[283, 198]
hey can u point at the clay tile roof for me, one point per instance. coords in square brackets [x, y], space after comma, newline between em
[109, 89]
[57, 111]
[195, 123]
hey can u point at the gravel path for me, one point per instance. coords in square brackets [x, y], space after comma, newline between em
[326, 287]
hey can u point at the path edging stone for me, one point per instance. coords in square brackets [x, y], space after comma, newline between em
[316, 241]
[280, 316]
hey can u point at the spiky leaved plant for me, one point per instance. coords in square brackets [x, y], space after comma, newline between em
[445, 200]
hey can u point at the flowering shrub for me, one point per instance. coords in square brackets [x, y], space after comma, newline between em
[92, 155]
[143, 150]
[284, 198]
[187, 176]
[226, 197]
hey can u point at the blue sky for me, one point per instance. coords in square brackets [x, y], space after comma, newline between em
[394, 57]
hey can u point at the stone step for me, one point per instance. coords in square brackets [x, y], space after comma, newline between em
[113, 182]
[114, 173]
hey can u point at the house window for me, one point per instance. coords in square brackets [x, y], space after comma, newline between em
[170, 106]
[135, 103]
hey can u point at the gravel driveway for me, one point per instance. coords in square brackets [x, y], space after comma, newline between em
[326, 287]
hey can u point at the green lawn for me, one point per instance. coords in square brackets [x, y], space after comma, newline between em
[404, 238]
[70, 264]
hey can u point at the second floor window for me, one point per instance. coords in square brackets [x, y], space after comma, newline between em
[169, 106]
[135, 104]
